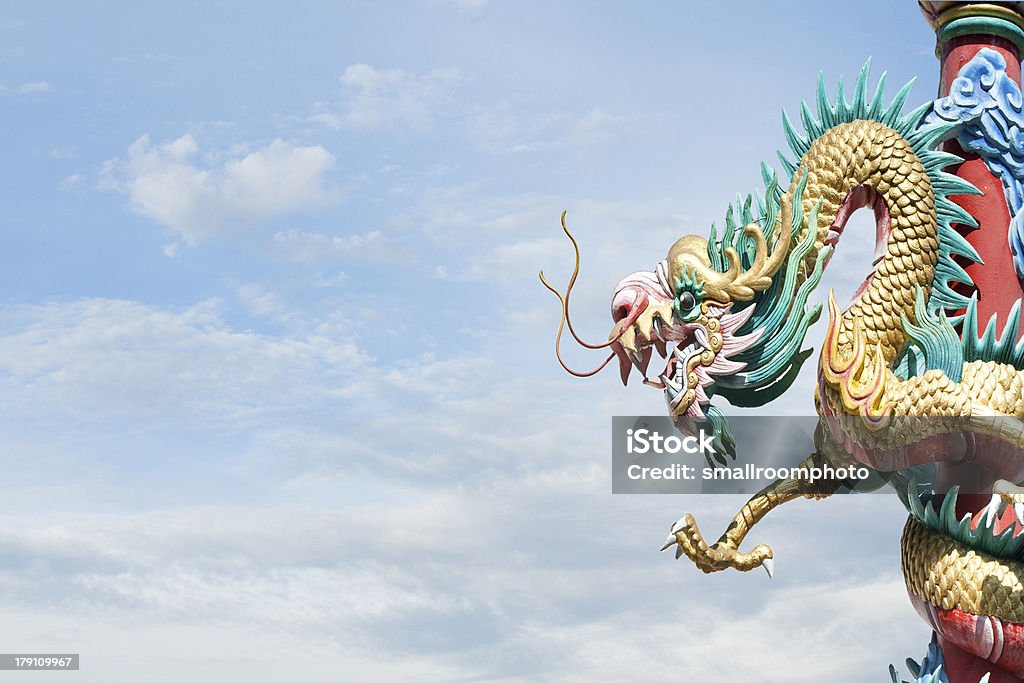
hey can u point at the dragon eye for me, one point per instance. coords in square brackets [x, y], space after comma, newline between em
[686, 301]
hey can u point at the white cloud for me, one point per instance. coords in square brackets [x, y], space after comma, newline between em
[508, 128]
[310, 247]
[389, 98]
[514, 582]
[32, 88]
[70, 182]
[101, 358]
[262, 303]
[474, 8]
[322, 281]
[35, 87]
[197, 194]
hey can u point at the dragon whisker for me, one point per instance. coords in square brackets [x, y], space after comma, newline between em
[564, 300]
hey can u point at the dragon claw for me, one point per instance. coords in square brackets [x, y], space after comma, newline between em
[724, 554]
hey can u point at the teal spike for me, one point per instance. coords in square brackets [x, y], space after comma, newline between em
[947, 513]
[988, 337]
[826, 114]
[797, 143]
[931, 516]
[915, 116]
[771, 202]
[812, 126]
[935, 160]
[772, 193]
[860, 92]
[787, 165]
[949, 184]
[988, 345]
[891, 116]
[951, 271]
[916, 509]
[715, 255]
[770, 178]
[910, 362]
[724, 442]
[798, 198]
[969, 330]
[766, 173]
[953, 242]
[747, 245]
[948, 213]
[945, 298]
[924, 137]
[1009, 336]
[876, 106]
[842, 108]
[936, 337]
[730, 227]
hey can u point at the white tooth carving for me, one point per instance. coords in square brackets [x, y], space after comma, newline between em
[992, 509]
[702, 338]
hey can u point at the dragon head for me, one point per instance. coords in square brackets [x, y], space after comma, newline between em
[728, 314]
[685, 311]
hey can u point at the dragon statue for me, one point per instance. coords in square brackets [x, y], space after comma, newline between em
[910, 375]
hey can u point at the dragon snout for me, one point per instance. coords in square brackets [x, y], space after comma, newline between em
[641, 308]
[628, 304]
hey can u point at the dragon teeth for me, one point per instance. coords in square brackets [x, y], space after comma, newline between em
[702, 338]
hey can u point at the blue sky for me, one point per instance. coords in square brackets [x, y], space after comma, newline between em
[278, 394]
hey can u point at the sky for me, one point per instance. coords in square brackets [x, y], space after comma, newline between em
[278, 398]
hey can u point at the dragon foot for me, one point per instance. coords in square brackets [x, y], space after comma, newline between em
[724, 554]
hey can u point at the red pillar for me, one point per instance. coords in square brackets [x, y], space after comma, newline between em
[994, 278]
[962, 30]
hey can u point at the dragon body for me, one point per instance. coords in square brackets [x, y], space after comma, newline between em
[730, 312]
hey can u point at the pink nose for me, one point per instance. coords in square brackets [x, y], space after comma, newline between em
[627, 305]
